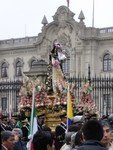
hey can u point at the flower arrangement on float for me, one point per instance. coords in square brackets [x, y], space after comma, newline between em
[41, 98]
[86, 105]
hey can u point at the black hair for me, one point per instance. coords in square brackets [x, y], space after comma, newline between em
[41, 139]
[5, 135]
[73, 128]
[104, 123]
[92, 130]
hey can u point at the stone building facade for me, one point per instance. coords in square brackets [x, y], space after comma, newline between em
[84, 46]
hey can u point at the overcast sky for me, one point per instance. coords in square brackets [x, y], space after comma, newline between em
[20, 18]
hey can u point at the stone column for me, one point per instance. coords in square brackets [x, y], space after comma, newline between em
[79, 50]
[73, 63]
[93, 58]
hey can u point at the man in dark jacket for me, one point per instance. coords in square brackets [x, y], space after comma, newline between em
[42, 140]
[7, 140]
[60, 132]
[93, 133]
[106, 136]
[25, 130]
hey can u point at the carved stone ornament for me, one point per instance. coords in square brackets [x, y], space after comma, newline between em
[63, 13]
[64, 40]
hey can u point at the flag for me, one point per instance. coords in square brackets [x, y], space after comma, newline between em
[69, 109]
[67, 3]
[33, 122]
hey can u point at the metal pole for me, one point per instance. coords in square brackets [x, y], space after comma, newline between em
[89, 74]
[93, 13]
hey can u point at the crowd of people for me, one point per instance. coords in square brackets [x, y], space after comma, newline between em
[82, 134]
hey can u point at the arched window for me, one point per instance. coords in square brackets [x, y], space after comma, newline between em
[107, 62]
[33, 63]
[4, 70]
[18, 70]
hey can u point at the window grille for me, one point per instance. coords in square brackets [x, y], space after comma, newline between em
[4, 103]
[18, 68]
[4, 70]
[106, 62]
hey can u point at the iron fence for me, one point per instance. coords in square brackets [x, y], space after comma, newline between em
[102, 93]
[9, 96]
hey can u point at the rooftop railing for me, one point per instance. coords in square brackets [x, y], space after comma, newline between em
[106, 30]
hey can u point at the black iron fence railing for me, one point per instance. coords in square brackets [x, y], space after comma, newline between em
[9, 96]
[102, 93]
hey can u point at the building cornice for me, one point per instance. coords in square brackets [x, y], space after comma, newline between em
[96, 38]
[17, 48]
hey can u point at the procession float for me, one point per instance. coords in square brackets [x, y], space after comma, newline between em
[51, 96]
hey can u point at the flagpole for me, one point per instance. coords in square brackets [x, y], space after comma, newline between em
[68, 3]
[33, 122]
[25, 30]
[67, 106]
[93, 13]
